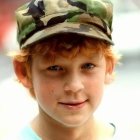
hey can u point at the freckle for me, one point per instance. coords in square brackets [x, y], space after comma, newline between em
[51, 92]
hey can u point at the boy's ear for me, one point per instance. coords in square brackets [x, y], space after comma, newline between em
[109, 77]
[21, 73]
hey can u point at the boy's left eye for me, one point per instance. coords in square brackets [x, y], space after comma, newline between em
[88, 66]
[55, 68]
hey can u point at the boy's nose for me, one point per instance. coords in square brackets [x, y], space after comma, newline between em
[73, 84]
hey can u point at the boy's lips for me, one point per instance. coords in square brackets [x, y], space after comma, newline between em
[73, 104]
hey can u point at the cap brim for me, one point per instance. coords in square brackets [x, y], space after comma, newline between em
[81, 29]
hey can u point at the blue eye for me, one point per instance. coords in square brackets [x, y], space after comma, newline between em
[55, 68]
[88, 66]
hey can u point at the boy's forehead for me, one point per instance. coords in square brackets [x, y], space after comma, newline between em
[58, 58]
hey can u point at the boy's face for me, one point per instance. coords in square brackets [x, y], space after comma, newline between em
[69, 90]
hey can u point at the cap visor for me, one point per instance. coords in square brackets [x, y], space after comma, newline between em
[66, 27]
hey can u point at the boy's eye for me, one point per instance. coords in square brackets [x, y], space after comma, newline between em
[88, 66]
[55, 68]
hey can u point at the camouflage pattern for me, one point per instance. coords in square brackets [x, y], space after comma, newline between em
[40, 19]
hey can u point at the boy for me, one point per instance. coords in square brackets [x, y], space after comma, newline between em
[65, 60]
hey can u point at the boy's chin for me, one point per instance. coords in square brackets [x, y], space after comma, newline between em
[74, 122]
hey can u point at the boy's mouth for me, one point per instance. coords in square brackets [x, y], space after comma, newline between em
[73, 104]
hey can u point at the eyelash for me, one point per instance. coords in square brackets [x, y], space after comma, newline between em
[55, 68]
[88, 66]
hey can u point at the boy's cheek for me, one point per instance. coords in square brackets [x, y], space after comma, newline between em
[47, 88]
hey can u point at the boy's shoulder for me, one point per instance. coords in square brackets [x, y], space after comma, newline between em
[104, 129]
[123, 132]
[25, 133]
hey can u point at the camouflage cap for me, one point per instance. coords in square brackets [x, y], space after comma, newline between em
[40, 19]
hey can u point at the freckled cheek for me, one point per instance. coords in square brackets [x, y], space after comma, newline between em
[94, 90]
[95, 87]
[47, 90]
[96, 81]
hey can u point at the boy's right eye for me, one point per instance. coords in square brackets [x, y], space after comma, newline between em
[55, 68]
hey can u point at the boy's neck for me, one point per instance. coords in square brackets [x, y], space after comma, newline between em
[50, 131]
[92, 130]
